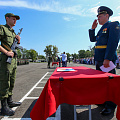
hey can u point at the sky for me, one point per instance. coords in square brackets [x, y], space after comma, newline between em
[62, 23]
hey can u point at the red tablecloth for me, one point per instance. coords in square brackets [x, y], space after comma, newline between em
[87, 86]
[55, 63]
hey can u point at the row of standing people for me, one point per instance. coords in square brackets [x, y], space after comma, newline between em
[118, 62]
[85, 60]
[90, 61]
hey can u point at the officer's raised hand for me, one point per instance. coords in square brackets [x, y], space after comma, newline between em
[95, 23]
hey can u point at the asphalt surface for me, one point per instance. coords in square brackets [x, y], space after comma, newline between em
[30, 81]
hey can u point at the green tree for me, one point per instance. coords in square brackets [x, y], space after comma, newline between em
[81, 53]
[68, 56]
[41, 56]
[51, 51]
[25, 53]
[92, 50]
[75, 56]
[48, 50]
[87, 53]
[19, 54]
[33, 54]
[54, 52]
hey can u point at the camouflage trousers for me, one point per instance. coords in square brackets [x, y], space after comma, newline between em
[7, 76]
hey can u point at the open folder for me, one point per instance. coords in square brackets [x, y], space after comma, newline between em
[112, 66]
[65, 69]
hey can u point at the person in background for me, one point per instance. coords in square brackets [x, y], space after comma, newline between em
[64, 59]
[49, 61]
[117, 62]
[59, 60]
[106, 40]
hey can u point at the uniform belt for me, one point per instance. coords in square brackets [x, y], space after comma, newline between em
[101, 46]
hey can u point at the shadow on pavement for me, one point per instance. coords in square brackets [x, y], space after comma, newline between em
[27, 113]
[67, 113]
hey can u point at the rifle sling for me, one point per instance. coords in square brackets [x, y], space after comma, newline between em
[6, 47]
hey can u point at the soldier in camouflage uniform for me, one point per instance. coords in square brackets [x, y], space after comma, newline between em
[8, 71]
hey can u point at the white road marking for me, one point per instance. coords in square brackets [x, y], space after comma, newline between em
[33, 88]
[31, 97]
[6, 117]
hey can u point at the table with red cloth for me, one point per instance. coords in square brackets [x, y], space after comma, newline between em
[55, 63]
[87, 86]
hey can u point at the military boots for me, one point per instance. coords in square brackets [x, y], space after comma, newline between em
[11, 103]
[5, 110]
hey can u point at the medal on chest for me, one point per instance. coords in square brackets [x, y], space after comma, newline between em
[104, 30]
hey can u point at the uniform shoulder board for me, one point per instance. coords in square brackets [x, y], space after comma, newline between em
[118, 27]
[114, 21]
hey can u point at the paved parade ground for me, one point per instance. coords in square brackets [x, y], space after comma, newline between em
[30, 81]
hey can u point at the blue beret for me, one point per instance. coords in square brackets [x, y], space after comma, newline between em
[104, 10]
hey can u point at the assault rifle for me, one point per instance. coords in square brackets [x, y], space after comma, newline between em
[14, 46]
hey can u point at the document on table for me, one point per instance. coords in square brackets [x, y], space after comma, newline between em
[65, 69]
[112, 66]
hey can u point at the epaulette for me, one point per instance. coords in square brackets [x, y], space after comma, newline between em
[114, 21]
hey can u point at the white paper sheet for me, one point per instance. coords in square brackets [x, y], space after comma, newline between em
[112, 66]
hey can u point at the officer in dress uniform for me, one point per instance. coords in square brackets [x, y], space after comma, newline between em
[8, 71]
[106, 40]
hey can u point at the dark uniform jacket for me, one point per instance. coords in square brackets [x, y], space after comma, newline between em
[106, 40]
